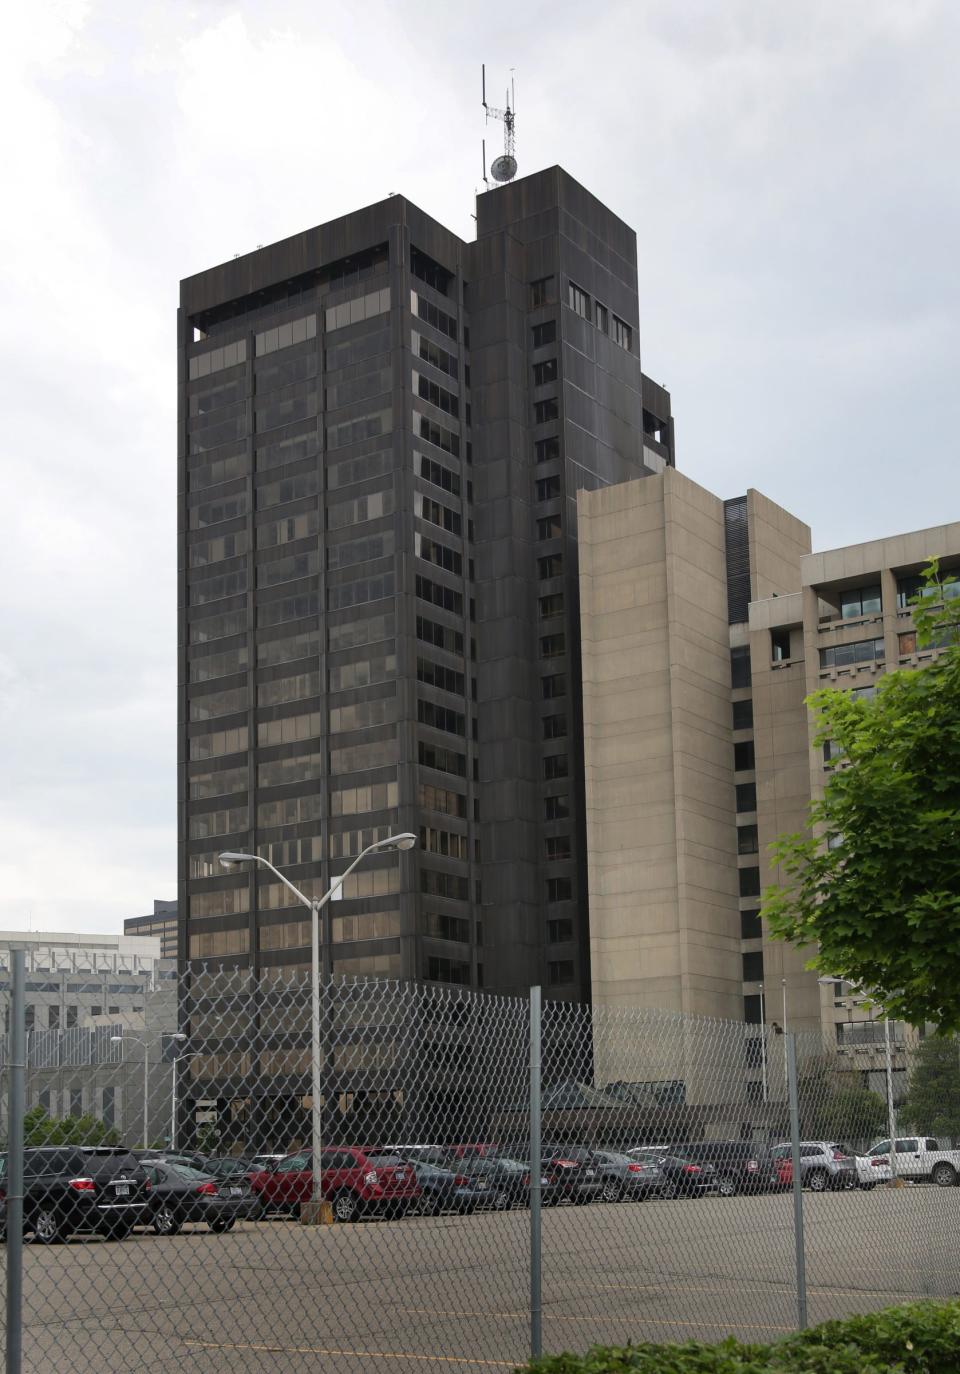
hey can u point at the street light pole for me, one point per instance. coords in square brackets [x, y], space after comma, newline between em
[173, 1095]
[763, 1043]
[229, 859]
[138, 1040]
[888, 1055]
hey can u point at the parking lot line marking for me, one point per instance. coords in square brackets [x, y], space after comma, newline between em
[358, 1354]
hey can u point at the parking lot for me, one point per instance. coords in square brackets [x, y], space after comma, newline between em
[451, 1292]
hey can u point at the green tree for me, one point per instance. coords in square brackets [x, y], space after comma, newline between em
[933, 1094]
[881, 902]
[836, 1105]
[39, 1128]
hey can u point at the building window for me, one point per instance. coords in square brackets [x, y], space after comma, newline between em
[541, 291]
[76, 1102]
[551, 565]
[549, 527]
[545, 333]
[779, 645]
[72, 1017]
[547, 410]
[546, 449]
[440, 970]
[754, 1092]
[559, 930]
[556, 808]
[601, 317]
[743, 714]
[747, 839]
[578, 301]
[552, 646]
[551, 605]
[858, 601]
[555, 766]
[554, 727]
[559, 971]
[750, 925]
[559, 889]
[749, 882]
[843, 655]
[557, 848]
[740, 666]
[751, 1009]
[553, 686]
[622, 333]
[545, 372]
[743, 755]
[548, 487]
[53, 1018]
[753, 967]
[746, 796]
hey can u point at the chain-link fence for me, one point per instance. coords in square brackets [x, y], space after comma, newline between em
[174, 1217]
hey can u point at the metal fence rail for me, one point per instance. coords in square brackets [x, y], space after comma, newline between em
[494, 1174]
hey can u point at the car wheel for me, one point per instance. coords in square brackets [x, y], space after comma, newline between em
[165, 1221]
[501, 1200]
[817, 1181]
[726, 1187]
[222, 1224]
[47, 1226]
[344, 1207]
[867, 1187]
[668, 1190]
[944, 1175]
[611, 1191]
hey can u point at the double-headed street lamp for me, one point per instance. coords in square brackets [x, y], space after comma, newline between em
[141, 1040]
[230, 859]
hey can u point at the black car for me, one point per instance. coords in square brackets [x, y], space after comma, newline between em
[572, 1173]
[508, 1179]
[71, 1189]
[683, 1176]
[183, 1194]
[741, 1166]
[446, 1190]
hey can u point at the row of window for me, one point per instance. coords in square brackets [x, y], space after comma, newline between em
[580, 303]
[842, 655]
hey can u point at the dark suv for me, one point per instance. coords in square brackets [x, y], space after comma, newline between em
[740, 1166]
[71, 1188]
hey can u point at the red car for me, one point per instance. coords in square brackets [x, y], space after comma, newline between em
[354, 1182]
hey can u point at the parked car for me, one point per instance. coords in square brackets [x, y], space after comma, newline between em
[824, 1166]
[438, 1155]
[921, 1158]
[444, 1190]
[623, 1177]
[475, 1151]
[741, 1166]
[636, 1151]
[264, 1161]
[226, 1167]
[508, 1179]
[685, 1177]
[869, 1172]
[69, 1189]
[572, 1173]
[354, 1182]
[182, 1194]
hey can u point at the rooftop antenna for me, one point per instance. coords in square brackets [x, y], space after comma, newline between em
[502, 168]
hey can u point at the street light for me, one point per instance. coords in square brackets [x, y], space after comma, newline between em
[191, 1054]
[763, 1043]
[229, 859]
[118, 1040]
[891, 1110]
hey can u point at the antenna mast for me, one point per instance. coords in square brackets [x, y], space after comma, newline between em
[503, 168]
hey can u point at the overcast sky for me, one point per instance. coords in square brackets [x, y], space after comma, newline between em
[791, 171]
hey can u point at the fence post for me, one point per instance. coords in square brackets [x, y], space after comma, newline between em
[791, 1047]
[14, 1218]
[536, 1296]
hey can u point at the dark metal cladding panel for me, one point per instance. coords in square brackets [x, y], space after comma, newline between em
[737, 540]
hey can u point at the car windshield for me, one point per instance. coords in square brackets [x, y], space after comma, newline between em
[384, 1161]
[186, 1171]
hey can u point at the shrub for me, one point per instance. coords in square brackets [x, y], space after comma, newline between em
[919, 1338]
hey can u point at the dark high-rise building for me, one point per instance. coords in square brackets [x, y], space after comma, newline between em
[162, 923]
[382, 430]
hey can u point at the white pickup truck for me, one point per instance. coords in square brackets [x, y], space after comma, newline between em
[920, 1157]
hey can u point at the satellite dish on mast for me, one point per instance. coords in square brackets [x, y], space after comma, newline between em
[503, 168]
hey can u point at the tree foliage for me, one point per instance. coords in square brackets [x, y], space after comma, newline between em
[39, 1128]
[881, 902]
[933, 1092]
[835, 1104]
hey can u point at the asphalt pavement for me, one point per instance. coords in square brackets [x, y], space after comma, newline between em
[451, 1293]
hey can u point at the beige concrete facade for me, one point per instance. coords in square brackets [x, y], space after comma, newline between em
[665, 904]
[690, 778]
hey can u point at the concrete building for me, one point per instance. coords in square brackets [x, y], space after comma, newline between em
[81, 992]
[382, 433]
[162, 924]
[704, 625]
